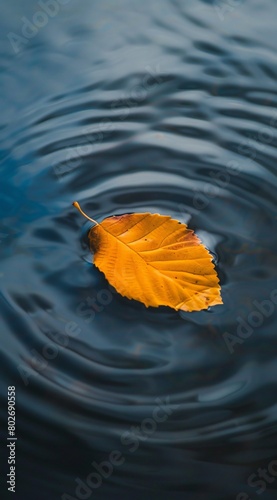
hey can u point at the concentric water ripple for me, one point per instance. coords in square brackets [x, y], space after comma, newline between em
[166, 109]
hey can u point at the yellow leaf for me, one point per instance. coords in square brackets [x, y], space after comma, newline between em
[156, 260]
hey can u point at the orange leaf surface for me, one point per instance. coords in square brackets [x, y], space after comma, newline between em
[156, 260]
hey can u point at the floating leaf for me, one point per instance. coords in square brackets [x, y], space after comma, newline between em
[156, 260]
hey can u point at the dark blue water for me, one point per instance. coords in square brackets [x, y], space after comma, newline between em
[126, 106]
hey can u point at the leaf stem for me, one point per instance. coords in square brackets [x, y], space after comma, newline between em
[76, 205]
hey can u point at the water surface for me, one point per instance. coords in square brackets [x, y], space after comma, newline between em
[127, 106]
